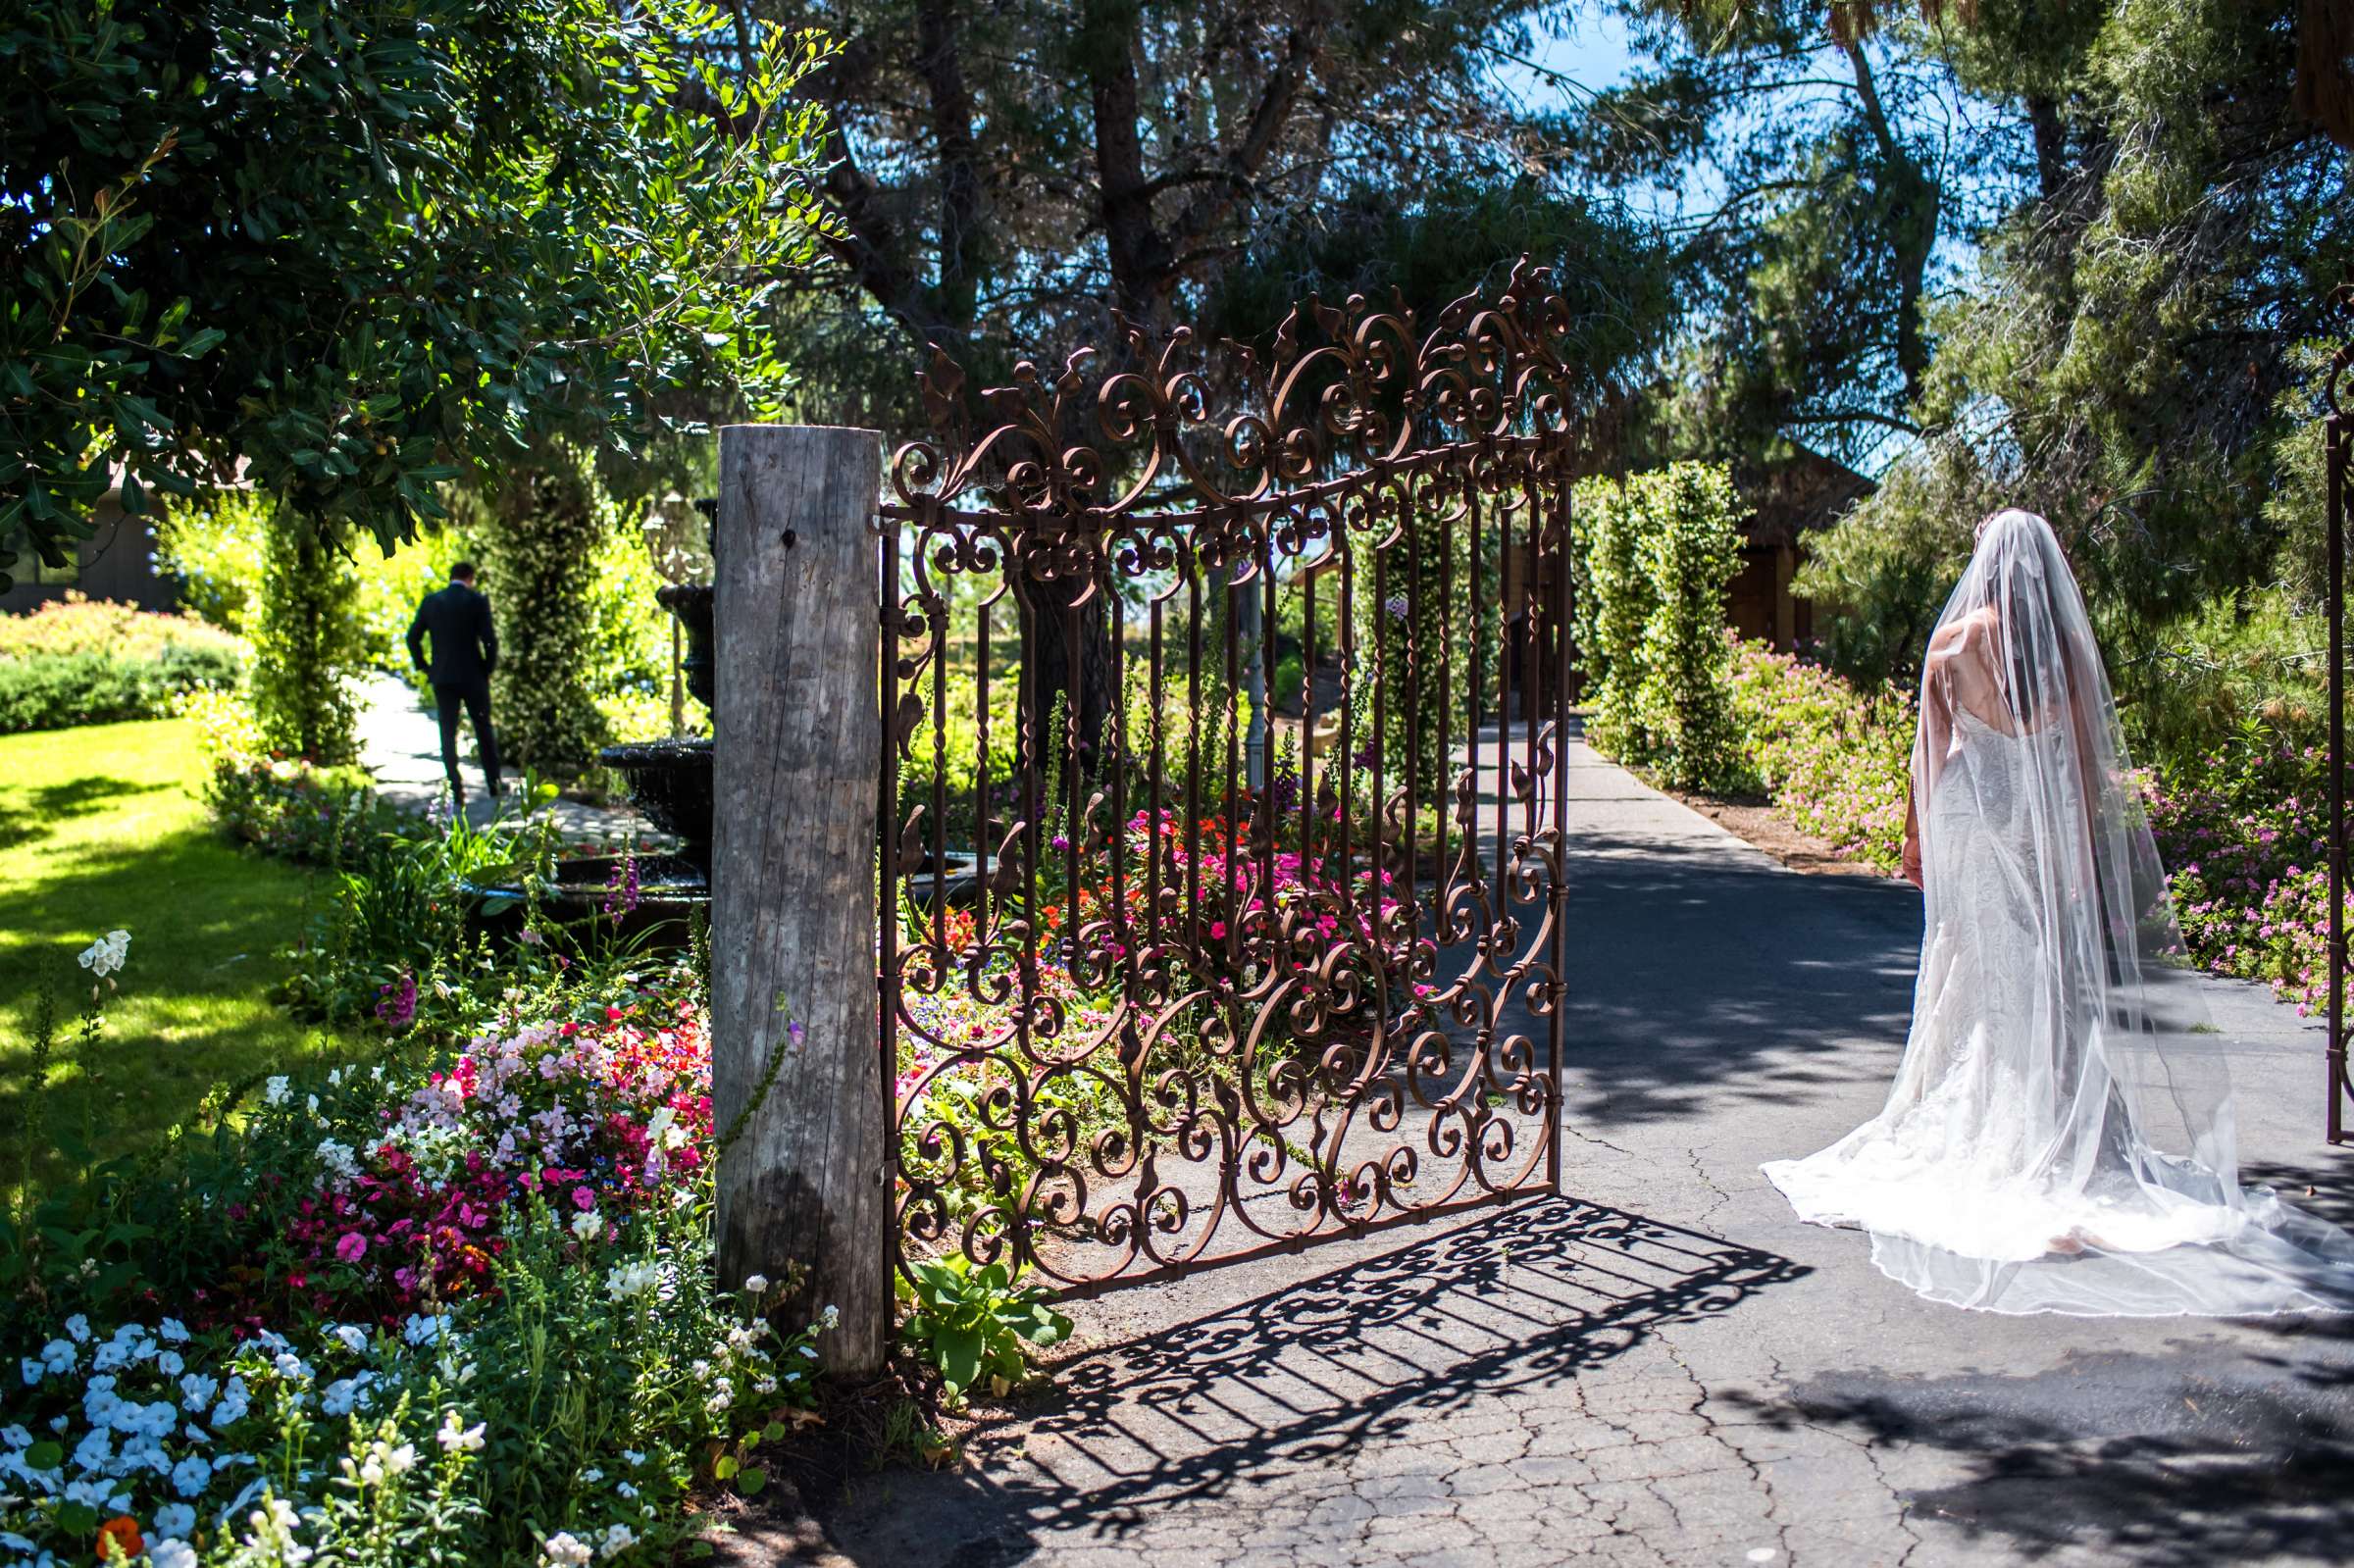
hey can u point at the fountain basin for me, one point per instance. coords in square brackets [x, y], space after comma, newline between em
[670, 889]
[670, 785]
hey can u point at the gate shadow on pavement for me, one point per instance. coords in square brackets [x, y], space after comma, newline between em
[2174, 1460]
[1531, 1295]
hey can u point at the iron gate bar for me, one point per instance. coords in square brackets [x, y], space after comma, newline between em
[2334, 448]
[1323, 1015]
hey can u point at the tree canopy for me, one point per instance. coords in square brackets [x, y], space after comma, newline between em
[367, 246]
[2027, 252]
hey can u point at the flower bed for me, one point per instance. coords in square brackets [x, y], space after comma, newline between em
[1836, 761]
[453, 1310]
[76, 661]
[2244, 836]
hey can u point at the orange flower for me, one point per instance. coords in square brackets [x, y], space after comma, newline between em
[119, 1539]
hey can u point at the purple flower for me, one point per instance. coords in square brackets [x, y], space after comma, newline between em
[397, 1001]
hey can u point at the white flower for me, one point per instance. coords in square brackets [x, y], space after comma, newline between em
[456, 1438]
[105, 955]
[588, 1225]
[755, 1282]
[171, 1553]
[719, 1402]
[564, 1550]
[275, 1091]
[619, 1537]
[591, 1476]
[630, 1280]
[832, 1316]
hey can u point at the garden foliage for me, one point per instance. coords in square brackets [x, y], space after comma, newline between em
[542, 536]
[453, 1306]
[529, 217]
[76, 661]
[1836, 758]
[1661, 548]
[308, 646]
[2243, 831]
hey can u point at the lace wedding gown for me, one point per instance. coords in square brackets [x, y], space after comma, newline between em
[2059, 1138]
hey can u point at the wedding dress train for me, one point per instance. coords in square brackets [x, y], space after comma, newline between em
[2059, 1138]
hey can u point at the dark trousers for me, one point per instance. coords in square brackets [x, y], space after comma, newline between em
[476, 699]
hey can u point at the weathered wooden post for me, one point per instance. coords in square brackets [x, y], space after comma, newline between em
[802, 1192]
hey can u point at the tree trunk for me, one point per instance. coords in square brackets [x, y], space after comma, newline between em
[804, 1195]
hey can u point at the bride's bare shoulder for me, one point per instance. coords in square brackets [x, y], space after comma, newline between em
[1967, 637]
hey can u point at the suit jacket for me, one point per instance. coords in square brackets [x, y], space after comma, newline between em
[465, 643]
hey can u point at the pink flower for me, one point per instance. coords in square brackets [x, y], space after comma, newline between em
[583, 1198]
[352, 1247]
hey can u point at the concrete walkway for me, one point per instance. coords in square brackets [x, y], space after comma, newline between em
[400, 744]
[1666, 1368]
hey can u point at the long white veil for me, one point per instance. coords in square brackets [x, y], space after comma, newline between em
[2059, 1138]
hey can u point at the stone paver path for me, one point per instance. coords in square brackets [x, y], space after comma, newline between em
[400, 744]
[1666, 1368]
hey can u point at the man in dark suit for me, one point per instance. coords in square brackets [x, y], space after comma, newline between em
[465, 652]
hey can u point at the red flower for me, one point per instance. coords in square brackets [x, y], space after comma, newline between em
[123, 1531]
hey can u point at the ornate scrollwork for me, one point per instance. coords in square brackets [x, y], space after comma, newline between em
[1170, 1016]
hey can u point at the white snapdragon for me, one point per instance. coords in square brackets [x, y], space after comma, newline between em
[588, 1225]
[382, 1459]
[456, 1438]
[273, 1532]
[628, 1281]
[276, 1089]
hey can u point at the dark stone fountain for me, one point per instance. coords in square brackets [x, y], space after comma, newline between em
[669, 781]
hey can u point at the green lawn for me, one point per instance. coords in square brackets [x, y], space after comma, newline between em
[100, 828]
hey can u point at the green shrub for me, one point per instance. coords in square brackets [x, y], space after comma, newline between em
[78, 661]
[308, 643]
[1615, 601]
[541, 538]
[1692, 550]
[1660, 550]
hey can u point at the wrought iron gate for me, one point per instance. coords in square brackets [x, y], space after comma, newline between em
[2336, 439]
[1223, 788]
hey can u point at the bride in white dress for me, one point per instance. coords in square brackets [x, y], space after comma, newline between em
[2059, 1138]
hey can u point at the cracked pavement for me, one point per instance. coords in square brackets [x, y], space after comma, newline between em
[1664, 1367]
